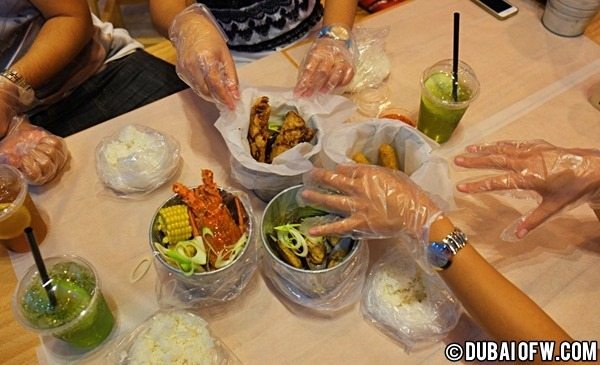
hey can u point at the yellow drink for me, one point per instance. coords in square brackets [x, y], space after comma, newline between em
[14, 225]
[17, 211]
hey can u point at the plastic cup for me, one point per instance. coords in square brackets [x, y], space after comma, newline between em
[17, 211]
[81, 316]
[439, 113]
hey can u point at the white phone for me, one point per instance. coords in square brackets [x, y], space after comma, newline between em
[498, 8]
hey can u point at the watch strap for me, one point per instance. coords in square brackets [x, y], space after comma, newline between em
[16, 78]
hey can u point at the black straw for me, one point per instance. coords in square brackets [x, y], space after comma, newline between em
[39, 262]
[455, 58]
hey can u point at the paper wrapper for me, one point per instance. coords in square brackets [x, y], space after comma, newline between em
[413, 150]
[323, 113]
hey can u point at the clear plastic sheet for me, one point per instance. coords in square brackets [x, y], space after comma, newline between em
[171, 337]
[373, 63]
[326, 290]
[407, 304]
[136, 160]
[174, 289]
[37, 153]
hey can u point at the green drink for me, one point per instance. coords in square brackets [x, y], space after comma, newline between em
[81, 316]
[439, 112]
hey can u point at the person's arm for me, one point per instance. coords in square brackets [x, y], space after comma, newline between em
[66, 30]
[340, 12]
[162, 13]
[494, 302]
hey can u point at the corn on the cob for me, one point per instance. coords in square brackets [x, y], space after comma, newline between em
[360, 157]
[174, 222]
[387, 157]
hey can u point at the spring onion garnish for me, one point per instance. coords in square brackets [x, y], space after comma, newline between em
[291, 237]
[234, 251]
[186, 255]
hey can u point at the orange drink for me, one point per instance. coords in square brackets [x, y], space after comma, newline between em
[17, 211]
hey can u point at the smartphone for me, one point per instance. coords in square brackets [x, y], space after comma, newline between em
[498, 8]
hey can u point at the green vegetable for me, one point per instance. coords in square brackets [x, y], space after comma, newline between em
[291, 237]
[187, 255]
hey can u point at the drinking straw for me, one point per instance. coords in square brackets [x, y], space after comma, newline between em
[39, 262]
[455, 57]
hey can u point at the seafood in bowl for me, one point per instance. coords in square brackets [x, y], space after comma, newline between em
[202, 238]
[322, 273]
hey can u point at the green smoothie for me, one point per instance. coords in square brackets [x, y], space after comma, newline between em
[81, 317]
[439, 112]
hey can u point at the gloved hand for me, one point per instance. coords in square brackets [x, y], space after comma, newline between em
[328, 64]
[376, 202]
[562, 177]
[203, 58]
[9, 104]
[38, 154]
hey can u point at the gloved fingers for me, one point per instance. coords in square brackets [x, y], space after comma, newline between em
[490, 161]
[340, 227]
[336, 203]
[329, 180]
[47, 166]
[314, 74]
[222, 84]
[31, 170]
[547, 209]
[508, 181]
[336, 77]
[505, 147]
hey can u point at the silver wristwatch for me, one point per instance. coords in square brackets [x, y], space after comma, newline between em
[440, 254]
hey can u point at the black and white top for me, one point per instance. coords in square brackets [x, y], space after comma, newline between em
[264, 25]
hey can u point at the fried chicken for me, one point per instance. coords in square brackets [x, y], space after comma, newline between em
[258, 133]
[293, 131]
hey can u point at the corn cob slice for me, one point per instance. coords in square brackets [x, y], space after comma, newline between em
[174, 222]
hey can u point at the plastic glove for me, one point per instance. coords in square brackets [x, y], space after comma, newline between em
[376, 202]
[9, 104]
[203, 58]
[561, 176]
[38, 154]
[328, 64]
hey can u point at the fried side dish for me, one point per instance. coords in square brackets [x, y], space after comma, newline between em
[267, 142]
[387, 157]
[293, 131]
[258, 132]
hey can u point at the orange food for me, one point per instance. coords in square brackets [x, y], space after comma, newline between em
[400, 117]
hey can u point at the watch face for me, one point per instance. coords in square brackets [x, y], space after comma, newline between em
[340, 32]
[438, 255]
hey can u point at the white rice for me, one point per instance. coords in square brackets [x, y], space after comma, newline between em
[174, 338]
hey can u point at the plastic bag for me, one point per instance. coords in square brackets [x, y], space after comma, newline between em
[413, 151]
[171, 337]
[406, 303]
[136, 160]
[322, 113]
[37, 153]
[373, 63]
[324, 290]
[175, 289]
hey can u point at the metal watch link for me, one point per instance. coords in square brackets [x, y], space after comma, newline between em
[26, 95]
[440, 253]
